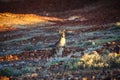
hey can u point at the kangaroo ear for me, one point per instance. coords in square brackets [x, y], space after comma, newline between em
[64, 30]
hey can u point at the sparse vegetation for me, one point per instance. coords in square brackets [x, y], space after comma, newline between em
[26, 42]
[25, 70]
[9, 71]
[92, 61]
[114, 61]
[28, 47]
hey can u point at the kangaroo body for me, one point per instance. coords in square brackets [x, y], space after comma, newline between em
[62, 40]
[60, 44]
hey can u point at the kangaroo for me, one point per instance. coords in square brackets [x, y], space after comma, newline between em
[60, 44]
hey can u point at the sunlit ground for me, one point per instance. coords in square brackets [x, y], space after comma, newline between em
[118, 23]
[9, 58]
[10, 21]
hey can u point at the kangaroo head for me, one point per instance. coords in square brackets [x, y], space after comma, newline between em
[62, 33]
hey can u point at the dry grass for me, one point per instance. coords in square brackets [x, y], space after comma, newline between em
[118, 23]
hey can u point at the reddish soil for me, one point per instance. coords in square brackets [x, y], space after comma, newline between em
[100, 19]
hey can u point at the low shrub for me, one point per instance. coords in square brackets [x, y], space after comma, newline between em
[9, 71]
[28, 47]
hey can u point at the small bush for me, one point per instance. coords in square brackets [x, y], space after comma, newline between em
[114, 61]
[26, 70]
[89, 43]
[28, 47]
[92, 61]
[9, 71]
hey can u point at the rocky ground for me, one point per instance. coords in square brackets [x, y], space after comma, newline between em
[25, 51]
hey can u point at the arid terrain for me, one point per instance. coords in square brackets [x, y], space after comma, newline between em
[92, 32]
